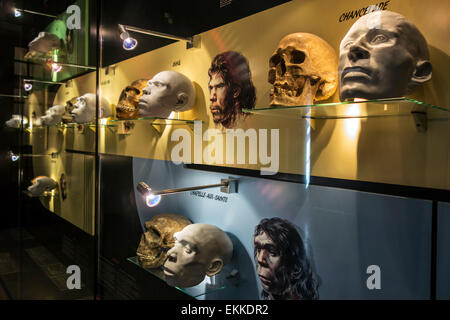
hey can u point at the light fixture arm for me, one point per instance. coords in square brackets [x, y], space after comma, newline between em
[42, 81]
[125, 28]
[37, 13]
[13, 96]
[226, 185]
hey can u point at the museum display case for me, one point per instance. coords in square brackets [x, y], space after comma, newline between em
[48, 225]
[236, 150]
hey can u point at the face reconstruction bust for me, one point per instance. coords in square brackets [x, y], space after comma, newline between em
[282, 264]
[84, 108]
[268, 258]
[168, 91]
[40, 185]
[230, 88]
[200, 250]
[52, 116]
[383, 55]
[16, 120]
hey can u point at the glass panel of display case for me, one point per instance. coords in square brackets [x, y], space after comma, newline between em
[65, 47]
[49, 236]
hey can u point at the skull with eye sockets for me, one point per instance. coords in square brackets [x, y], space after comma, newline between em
[303, 69]
[158, 238]
[128, 108]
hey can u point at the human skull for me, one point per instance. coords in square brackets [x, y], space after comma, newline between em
[302, 69]
[84, 108]
[127, 108]
[70, 104]
[158, 238]
[45, 42]
[52, 116]
[40, 185]
[167, 91]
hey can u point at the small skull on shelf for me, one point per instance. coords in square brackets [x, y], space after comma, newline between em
[303, 69]
[67, 117]
[127, 108]
[158, 238]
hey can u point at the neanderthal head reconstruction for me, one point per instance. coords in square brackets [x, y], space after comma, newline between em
[383, 55]
[200, 250]
[282, 264]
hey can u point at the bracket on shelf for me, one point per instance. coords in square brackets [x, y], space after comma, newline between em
[159, 127]
[125, 127]
[420, 120]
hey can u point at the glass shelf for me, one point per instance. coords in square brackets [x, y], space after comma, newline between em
[159, 121]
[70, 71]
[360, 109]
[209, 285]
[87, 124]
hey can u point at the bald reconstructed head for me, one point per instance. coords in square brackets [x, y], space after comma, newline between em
[167, 91]
[383, 55]
[200, 250]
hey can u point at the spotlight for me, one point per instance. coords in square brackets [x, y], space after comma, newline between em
[14, 157]
[131, 43]
[17, 13]
[150, 199]
[128, 42]
[27, 86]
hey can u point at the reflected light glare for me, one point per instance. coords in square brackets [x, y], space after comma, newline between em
[152, 200]
[352, 126]
[56, 67]
[308, 156]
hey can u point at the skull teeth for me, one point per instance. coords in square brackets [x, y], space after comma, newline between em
[124, 108]
[285, 91]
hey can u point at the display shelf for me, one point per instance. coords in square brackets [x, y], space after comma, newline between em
[87, 124]
[158, 121]
[71, 70]
[357, 109]
[207, 286]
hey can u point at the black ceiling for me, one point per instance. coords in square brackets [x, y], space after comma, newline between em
[183, 18]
